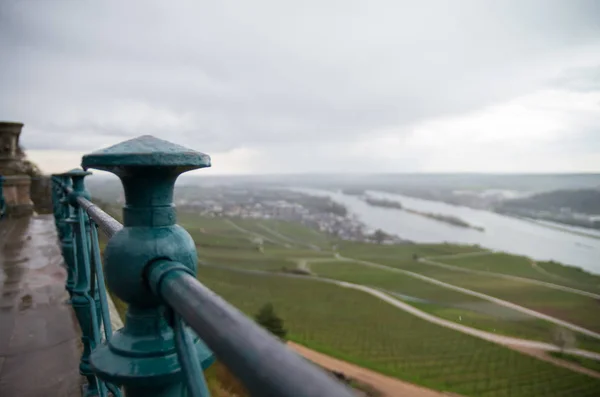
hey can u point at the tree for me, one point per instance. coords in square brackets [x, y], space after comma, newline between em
[270, 321]
[379, 236]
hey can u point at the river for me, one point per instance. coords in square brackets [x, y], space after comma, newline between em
[502, 233]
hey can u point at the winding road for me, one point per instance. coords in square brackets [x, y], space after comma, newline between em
[428, 261]
[253, 234]
[489, 298]
[499, 339]
[285, 238]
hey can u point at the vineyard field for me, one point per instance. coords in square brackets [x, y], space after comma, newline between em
[560, 304]
[448, 304]
[524, 267]
[361, 329]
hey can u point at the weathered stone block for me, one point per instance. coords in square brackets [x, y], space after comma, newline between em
[17, 196]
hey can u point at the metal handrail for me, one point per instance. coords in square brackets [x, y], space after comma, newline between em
[85, 280]
[105, 222]
[262, 363]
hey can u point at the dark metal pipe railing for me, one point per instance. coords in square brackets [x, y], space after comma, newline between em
[261, 362]
[107, 224]
[2, 199]
[85, 275]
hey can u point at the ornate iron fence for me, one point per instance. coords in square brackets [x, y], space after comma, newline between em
[2, 200]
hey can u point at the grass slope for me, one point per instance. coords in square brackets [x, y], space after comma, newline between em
[560, 304]
[451, 305]
[521, 266]
[445, 303]
[358, 328]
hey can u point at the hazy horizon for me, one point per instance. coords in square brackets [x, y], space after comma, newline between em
[531, 183]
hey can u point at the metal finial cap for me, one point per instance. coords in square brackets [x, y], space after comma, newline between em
[145, 151]
[75, 172]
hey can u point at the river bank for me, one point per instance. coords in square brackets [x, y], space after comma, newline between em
[502, 233]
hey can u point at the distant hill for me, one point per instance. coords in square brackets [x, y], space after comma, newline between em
[582, 201]
[535, 183]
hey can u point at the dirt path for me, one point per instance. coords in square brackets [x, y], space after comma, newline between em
[253, 234]
[489, 298]
[543, 271]
[388, 386]
[534, 348]
[276, 234]
[288, 239]
[500, 339]
[544, 356]
[429, 261]
[512, 342]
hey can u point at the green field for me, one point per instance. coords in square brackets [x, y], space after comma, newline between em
[309, 237]
[560, 304]
[584, 362]
[403, 251]
[246, 233]
[448, 304]
[524, 267]
[463, 308]
[356, 327]
[272, 260]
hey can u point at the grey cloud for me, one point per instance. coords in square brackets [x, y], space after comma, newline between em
[256, 74]
[580, 79]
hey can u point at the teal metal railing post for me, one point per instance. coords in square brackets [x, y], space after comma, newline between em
[82, 302]
[54, 193]
[65, 222]
[2, 200]
[56, 196]
[142, 356]
[64, 207]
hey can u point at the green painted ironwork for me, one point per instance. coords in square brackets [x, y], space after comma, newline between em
[85, 280]
[64, 223]
[57, 205]
[143, 356]
[2, 200]
[81, 300]
[190, 364]
[55, 192]
[65, 209]
[150, 263]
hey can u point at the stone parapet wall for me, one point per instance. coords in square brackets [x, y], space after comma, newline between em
[41, 194]
[16, 170]
[17, 196]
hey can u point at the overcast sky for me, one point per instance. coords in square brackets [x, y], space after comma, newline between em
[310, 86]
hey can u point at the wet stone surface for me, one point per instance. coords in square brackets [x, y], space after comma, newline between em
[39, 336]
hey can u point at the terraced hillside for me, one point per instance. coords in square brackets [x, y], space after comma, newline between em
[564, 305]
[361, 329]
[448, 304]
